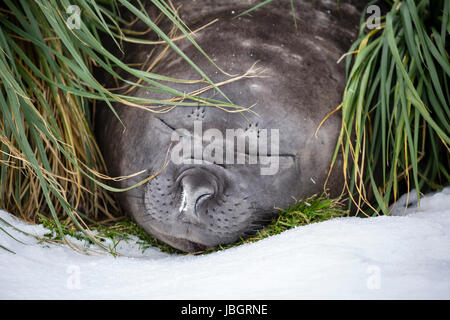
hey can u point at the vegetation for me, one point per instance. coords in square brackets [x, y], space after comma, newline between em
[395, 131]
[50, 162]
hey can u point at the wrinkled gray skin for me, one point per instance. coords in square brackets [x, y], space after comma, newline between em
[303, 84]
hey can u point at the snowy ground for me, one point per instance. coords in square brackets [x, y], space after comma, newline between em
[402, 257]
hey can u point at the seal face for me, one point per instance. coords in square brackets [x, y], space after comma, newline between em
[223, 190]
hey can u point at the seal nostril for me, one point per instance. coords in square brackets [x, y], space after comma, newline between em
[201, 199]
[197, 185]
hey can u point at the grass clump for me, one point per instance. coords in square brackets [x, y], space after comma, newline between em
[50, 161]
[395, 132]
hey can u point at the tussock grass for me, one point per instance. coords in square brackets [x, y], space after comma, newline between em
[395, 131]
[50, 162]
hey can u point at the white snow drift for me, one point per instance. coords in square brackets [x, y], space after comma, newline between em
[398, 257]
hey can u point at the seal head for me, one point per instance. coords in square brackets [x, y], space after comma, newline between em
[226, 188]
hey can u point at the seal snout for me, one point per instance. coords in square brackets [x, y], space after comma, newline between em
[197, 186]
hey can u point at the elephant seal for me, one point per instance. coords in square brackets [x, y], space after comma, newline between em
[202, 203]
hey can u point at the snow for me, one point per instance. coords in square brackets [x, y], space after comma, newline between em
[397, 257]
